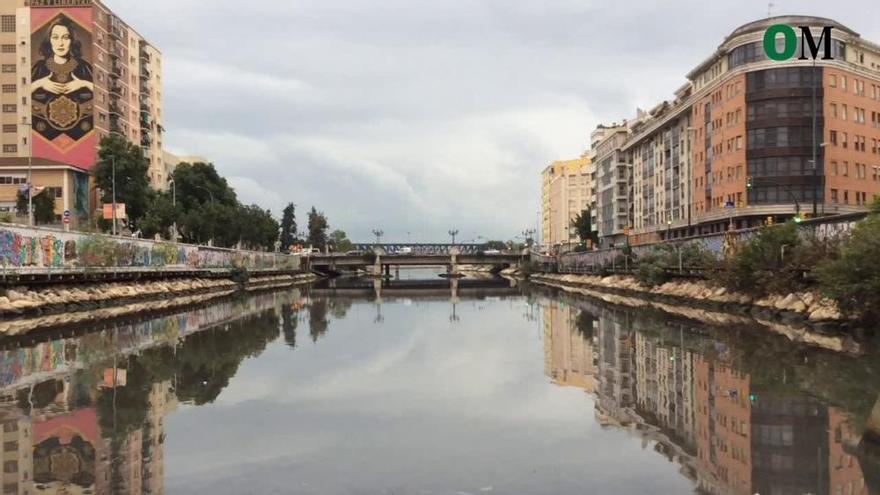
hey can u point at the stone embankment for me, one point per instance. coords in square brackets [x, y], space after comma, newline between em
[807, 304]
[717, 306]
[21, 301]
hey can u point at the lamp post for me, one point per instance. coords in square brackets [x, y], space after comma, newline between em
[30, 185]
[113, 173]
[378, 233]
[453, 233]
[174, 206]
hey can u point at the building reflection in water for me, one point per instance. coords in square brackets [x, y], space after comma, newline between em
[85, 415]
[687, 397]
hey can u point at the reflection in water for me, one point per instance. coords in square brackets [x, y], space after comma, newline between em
[736, 412]
[694, 398]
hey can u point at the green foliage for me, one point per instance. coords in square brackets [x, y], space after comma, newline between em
[132, 184]
[583, 227]
[288, 227]
[199, 183]
[653, 268]
[44, 207]
[853, 280]
[160, 216]
[875, 206]
[339, 241]
[317, 229]
[5, 218]
[758, 267]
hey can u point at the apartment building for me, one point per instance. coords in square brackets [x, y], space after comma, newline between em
[613, 191]
[59, 98]
[565, 193]
[738, 142]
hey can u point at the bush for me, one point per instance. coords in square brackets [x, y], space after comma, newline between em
[853, 280]
[758, 266]
[653, 268]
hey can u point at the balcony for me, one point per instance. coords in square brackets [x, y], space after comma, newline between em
[146, 120]
[116, 89]
[115, 109]
[146, 138]
[145, 73]
[116, 69]
[116, 127]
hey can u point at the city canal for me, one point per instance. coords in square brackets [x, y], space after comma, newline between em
[425, 386]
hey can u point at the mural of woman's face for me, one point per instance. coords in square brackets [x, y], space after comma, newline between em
[60, 40]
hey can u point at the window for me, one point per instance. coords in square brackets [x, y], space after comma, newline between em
[8, 68]
[9, 108]
[843, 112]
[843, 139]
[834, 196]
[832, 80]
[10, 446]
[834, 110]
[833, 138]
[10, 148]
[9, 88]
[8, 49]
[845, 197]
[10, 466]
[843, 83]
[833, 168]
[10, 128]
[7, 23]
[845, 169]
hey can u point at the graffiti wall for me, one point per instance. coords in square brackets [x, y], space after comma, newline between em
[62, 85]
[719, 244]
[23, 249]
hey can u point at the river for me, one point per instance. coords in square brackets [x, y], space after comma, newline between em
[426, 386]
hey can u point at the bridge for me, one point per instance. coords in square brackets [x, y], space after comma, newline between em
[377, 262]
[420, 248]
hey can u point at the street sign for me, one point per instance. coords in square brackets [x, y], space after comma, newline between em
[66, 213]
[108, 211]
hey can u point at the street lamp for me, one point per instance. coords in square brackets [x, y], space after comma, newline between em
[30, 184]
[174, 206]
[113, 169]
[378, 233]
[453, 233]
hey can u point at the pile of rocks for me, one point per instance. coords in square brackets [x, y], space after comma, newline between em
[814, 307]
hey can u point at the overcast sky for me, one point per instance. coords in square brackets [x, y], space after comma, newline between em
[422, 115]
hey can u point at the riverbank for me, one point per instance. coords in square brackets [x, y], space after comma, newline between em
[71, 304]
[801, 317]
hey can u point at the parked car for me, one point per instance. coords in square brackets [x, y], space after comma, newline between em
[405, 250]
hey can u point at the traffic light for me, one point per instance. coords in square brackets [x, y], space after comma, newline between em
[749, 183]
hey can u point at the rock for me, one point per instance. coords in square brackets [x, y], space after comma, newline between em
[720, 292]
[786, 303]
[15, 295]
[824, 313]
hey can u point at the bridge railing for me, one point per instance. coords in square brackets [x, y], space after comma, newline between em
[398, 248]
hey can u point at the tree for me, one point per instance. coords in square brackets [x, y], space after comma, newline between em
[498, 245]
[339, 241]
[583, 227]
[255, 227]
[853, 280]
[200, 183]
[44, 206]
[132, 184]
[317, 229]
[161, 215]
[288, 227]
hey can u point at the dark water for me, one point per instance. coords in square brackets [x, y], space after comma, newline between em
[422, 388]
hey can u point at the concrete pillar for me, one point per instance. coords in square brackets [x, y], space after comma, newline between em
[388, 271]
[377, 288]
[452, 269]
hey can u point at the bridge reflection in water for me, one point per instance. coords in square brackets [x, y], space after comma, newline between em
[737, 412]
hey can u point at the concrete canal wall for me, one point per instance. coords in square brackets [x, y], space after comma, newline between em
[41, 250]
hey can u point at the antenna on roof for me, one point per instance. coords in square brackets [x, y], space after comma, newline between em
[770, 6]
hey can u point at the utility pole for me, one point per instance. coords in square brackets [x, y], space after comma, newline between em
[815, 162]
[113, 169]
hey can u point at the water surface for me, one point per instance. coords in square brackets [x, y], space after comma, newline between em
[423, 386]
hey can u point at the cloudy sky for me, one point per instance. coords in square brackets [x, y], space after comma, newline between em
[417, 116]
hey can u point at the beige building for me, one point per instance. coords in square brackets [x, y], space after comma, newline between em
[568, 353]
[170, 161]
[611, 216]
[117, 88]
[565, 193]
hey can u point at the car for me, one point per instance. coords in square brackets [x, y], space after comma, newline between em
[405, 250]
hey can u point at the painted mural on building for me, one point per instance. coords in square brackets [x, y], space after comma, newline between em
[62, 85]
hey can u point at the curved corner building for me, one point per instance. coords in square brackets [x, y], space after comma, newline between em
[737, 145]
